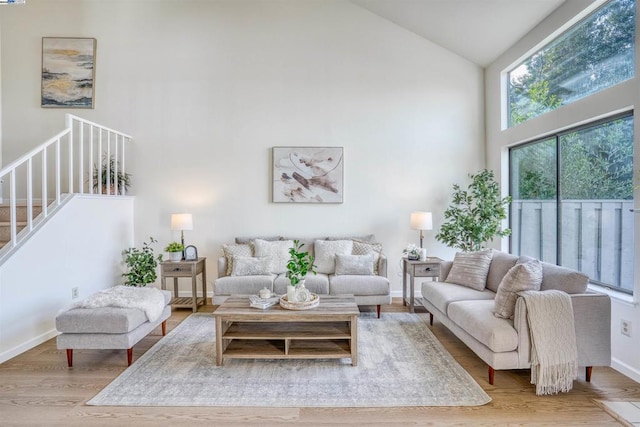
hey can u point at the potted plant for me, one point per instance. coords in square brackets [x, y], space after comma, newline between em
[141, 264]
[105, 181]
[175, 250]
[299, 265]
[475, 215]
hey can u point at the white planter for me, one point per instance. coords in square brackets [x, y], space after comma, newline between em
[175, 256]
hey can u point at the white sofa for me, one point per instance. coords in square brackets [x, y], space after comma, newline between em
[368, 289]
[505, 343]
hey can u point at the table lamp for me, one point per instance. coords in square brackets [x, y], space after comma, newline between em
[182, 221]
[421, 221]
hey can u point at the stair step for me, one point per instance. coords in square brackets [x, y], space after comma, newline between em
[21, 212]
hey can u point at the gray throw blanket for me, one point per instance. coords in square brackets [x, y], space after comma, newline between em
[554, 354]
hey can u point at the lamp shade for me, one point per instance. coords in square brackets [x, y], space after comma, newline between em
[421, 221]
[182, 221]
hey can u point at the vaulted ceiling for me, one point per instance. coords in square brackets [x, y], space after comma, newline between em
[478, 30]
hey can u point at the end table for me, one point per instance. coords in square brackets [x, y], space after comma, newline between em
[177, 269]
[427, 268]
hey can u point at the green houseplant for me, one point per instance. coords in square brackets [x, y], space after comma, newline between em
[175, 250]
[104, 178]
[141, 264]
[475, 214]
[299, 265]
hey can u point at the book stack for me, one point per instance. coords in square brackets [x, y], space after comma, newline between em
[262, 303]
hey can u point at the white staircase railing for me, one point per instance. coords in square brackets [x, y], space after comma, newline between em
[93, 157]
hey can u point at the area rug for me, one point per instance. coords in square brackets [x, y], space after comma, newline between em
[400, 363]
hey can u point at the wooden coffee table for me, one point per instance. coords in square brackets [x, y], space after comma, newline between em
[329, 331]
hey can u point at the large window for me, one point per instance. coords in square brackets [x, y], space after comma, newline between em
[594, 54]
[572, 200]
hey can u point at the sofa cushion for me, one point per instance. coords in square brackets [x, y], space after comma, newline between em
[276, 251]
[470, 269]
[354, 264]
[477, 319]
[369, 238]
[501, 262]
[561, 278]
[250, 266]
[316, 283]
[106, 320]
[441, 294]
[249, 240]
[242, 285]
[231, 251]
[326, 251]
[364, 248]
[359, 285]
[521, 277]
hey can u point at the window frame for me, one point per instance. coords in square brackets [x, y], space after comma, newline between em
[558, 199]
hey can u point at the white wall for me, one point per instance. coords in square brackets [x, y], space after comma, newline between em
[208, 87]
[625, 350]
[80, 246]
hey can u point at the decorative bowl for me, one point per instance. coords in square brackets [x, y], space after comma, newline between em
[300, 305]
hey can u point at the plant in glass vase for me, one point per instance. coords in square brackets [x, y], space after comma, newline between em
[412, 252]
[299, 265]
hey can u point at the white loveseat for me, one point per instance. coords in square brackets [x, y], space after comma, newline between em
[240, 273]
[505, 343]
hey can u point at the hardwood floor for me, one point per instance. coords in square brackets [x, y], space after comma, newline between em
[37, 389]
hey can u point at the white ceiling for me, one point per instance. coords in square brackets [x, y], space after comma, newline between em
[478, 30]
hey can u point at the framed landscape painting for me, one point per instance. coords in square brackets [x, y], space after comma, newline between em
[68, 71]
[308, 174]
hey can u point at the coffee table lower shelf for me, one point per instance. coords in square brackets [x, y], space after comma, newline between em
[287, 341]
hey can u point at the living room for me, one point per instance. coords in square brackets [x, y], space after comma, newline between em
[208, 88]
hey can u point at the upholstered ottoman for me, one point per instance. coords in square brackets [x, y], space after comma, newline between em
[107, 328]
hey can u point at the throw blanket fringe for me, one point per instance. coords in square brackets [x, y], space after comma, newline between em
[150, 300]
[554, 351]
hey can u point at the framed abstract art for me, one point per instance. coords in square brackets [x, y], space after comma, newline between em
[308, 175]
[68, 71]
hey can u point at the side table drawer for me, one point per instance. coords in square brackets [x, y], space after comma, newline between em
[176, 270]
[426, 270]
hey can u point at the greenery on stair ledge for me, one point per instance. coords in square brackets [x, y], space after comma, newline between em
[475, 214]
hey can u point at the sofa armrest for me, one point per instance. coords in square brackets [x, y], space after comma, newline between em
[222, 266]
[592, 316]
[445, 268]
[382, 266]
[592, 319]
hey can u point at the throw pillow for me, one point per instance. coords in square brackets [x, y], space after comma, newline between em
[231, 251]
[277, 252]
[326, 251]
[250, 266]
[520, 277]
[354, 265]
[364, 248]
[470, 269]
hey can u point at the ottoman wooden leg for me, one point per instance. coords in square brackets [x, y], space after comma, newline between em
[164, 328]
[129, 356]
[378, 311]
[70, 357]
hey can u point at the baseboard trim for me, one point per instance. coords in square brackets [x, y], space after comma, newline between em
[28, 345]
[625, 369]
